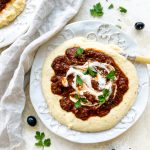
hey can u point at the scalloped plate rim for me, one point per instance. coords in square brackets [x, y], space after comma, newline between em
[98, 140]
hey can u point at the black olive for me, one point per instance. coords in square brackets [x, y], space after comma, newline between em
[31, 120]
[139, 25]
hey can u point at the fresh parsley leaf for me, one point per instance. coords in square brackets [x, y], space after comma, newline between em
[97, 10]
[111, 75]
[111, 6]
[47, 142]
[79, 52]
[80, 99]
[105, 92]
[118, 26]
[101, 99]
[76, 96]
[78, 104]
[122, 9]
[41, 142]
[83, 99]
[79, 81]
[42, 135]
[91, 72]
[39, 136]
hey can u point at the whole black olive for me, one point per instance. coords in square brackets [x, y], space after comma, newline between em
[139, 25]
[31, 120]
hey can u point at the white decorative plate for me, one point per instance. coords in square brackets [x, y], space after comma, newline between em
[105, 33]
[20, 25]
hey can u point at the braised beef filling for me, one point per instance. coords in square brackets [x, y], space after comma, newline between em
[3, 4]
[89, 82]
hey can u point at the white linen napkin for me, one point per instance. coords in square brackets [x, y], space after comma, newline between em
[15, 62]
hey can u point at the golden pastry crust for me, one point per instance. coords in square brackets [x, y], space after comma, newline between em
[11, 11]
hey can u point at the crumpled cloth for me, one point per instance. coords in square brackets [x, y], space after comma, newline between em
[16, 61]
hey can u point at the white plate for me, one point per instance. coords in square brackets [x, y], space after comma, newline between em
[20, 25]
[105, 33]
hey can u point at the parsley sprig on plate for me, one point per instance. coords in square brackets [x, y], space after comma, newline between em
[41, 141]
[80, 99]
[97, 10]
[102, 98]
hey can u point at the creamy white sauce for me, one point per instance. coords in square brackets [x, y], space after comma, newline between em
[87, 85]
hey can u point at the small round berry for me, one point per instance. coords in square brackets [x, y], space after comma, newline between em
[31, 120]
[139, 25]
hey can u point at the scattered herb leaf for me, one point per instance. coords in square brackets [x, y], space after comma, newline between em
[39, 136]
[111, 75]
[41, 142]
[79, 81]
[47, 142]
[111, 6]
[118, 26]
[97, 10]
[91, 72]
[79, 52]
[78, 104]
[122, 9]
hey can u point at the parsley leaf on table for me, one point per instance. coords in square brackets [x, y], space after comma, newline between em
[97, 10]
[122, 9]
[47, 142]
[41, 142]
[111, 6]
[118, 26]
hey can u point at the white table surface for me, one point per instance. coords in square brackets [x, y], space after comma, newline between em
[138, 136]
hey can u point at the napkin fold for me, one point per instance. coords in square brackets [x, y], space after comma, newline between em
[16, 61]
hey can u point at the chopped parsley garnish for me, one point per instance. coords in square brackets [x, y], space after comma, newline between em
[79, 81]
[105, 92]
[97, 10]
[111, 6]
[79, 52]
[102, 98]
[78, 104]
[80, 99]
[122, 9]
[91, 72]
[41, 142]
[111, 75]
[83, 99]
